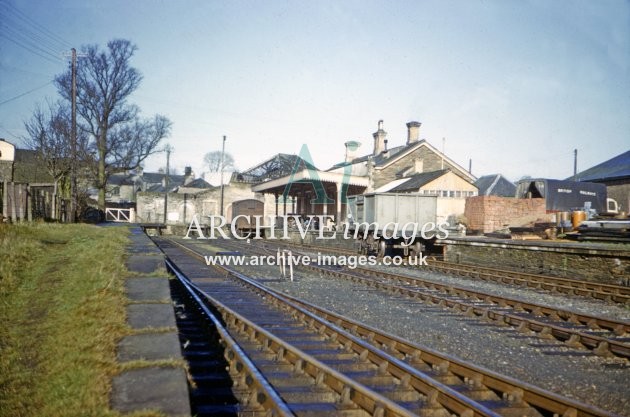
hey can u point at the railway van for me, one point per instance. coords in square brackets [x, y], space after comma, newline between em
[249, 208]
[385, 222]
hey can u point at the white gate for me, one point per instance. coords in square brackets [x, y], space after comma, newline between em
[120, 215]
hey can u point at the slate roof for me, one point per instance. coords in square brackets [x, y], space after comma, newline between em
[615, 168]
[198, 183]
[157, 177]
[495, 184]
[379, 159]
[418, 180]
[120, 179]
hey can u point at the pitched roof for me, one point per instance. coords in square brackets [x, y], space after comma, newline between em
[615, 168]
[380, 159]
[384, 159]
[495, 184]
[120, 179]
[416, 181]
[198, 183]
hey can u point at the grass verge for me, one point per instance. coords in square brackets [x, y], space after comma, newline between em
[62, 310]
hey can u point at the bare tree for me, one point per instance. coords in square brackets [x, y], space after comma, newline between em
[49, 135]
[212, 160]
[119, 139]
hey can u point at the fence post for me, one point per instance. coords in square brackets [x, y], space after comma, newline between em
[5, 198]
[13, 215]
[29, 203]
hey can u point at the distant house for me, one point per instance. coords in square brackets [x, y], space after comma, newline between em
[122, 188]
[495, 184]
[22, 165]
[615, 174]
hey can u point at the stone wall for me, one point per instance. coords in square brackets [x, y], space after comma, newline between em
[592, 262]
[182, 207]
[486, 214]
[430, 162]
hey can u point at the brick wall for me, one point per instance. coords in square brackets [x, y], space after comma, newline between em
[489, 213]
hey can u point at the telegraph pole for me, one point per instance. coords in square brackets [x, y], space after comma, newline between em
[168, 150]
[575, 165]
[73, 141]
[222, 186]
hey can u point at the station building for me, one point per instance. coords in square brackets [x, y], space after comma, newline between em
[414, 167]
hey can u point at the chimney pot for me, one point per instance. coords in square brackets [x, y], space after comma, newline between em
[379, 139]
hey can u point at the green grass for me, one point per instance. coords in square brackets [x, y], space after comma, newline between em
[62, 311]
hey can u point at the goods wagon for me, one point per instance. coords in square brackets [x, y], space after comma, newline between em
[386, 221]
[248, 208]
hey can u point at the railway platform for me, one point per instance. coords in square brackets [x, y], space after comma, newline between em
[591, 261]
[153, 380]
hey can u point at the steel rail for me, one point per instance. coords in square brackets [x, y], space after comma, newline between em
[436, 392]
[601, 291]
[348, 389]
[518, 393]
[421, 356]
[245, 373]
[599, 345]
[618, 327]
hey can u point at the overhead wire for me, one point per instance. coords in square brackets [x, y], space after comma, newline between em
[40, 27]
[31, 36]
[25, 93]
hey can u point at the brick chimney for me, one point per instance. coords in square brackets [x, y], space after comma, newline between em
[379, 139]
[413, 132]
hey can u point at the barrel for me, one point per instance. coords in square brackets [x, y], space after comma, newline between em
[577, 217]
[564, 219]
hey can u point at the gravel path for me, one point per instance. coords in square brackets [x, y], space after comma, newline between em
[577, 374]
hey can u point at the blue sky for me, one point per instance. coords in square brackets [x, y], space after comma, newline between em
[513, 85]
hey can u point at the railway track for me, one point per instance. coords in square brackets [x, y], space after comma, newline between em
[602, 336]
[574, 287]
[606, 292]
[224, 380]
[348, 369]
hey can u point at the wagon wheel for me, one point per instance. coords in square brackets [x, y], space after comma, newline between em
[415, 249]
[382, 248]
